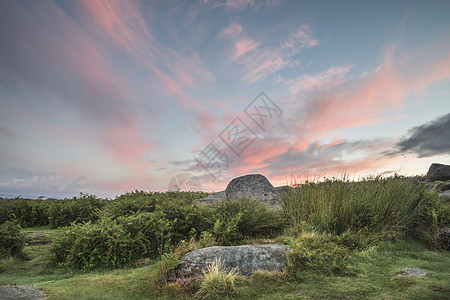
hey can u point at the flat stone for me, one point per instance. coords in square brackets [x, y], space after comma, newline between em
[21, 292]
[445, 194]
[413, 272]
[246, 259]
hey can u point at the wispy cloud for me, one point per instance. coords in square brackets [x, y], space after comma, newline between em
[262, 59]
[240, 5]
[326, 102]
[233, 30]
[123, 24]
[310, 82]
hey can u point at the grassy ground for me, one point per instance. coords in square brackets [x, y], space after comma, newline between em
[375, 276]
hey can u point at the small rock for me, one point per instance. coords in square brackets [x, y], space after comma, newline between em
[413, 272]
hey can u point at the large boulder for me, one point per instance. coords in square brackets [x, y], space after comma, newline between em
[438, 172]
[246, 259]
[253, 187]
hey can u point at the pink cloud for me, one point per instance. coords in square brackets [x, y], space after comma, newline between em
[261, 61]
[240, 5]
[123, 24]
[233, 30]
[337, 101]
[243, 46]
[72, 81]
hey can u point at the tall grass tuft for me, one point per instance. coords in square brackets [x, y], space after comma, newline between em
[392, 205]
[218, 283]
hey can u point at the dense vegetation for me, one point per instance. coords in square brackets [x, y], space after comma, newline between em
[329, 226]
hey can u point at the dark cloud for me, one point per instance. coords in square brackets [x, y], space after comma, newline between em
[432, 138]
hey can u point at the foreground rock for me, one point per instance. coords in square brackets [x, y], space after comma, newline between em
[21, 292]
[246, 258]
[438, 172]
[413, 272]
[254, 187]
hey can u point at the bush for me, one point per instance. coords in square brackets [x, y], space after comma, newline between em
[217, 283]
[80, 209]
[115, 242]
[443, 239]
[317, 252]
[12, 241]
[26, 212]
[233, 221]
[132, 203]
[109, 243]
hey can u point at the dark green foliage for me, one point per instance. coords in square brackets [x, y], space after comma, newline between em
[117, 240]
[26, 212]
[131, 203]
[318, 252]
[12, 241]
[443, 239]
[232, 221]
[108, 243]
[78, 209]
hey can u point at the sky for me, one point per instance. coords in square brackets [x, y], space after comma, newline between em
[105, 97]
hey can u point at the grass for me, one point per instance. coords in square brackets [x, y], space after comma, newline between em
[375, 277]
[349, 240]
[218, 283]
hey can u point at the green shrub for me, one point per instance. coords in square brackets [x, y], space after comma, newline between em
[12, 241]
[131, 203]
[108, 243]
[233, 221]
[84, 208]
[318, 252]
[218, 283]
[115, 242]
[26, 212]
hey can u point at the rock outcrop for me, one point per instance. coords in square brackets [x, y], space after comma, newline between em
[246, 259]
[254, 187]
[438, 172]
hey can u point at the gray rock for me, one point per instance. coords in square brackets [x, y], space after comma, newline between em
[253, 187]
[212, 199]
[438, 172]
[246, 259]
[413, 272]
[218, 195]
[21, 292]
[445, 194]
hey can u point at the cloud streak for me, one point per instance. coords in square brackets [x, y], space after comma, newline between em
[261, 59]
[429, 139]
